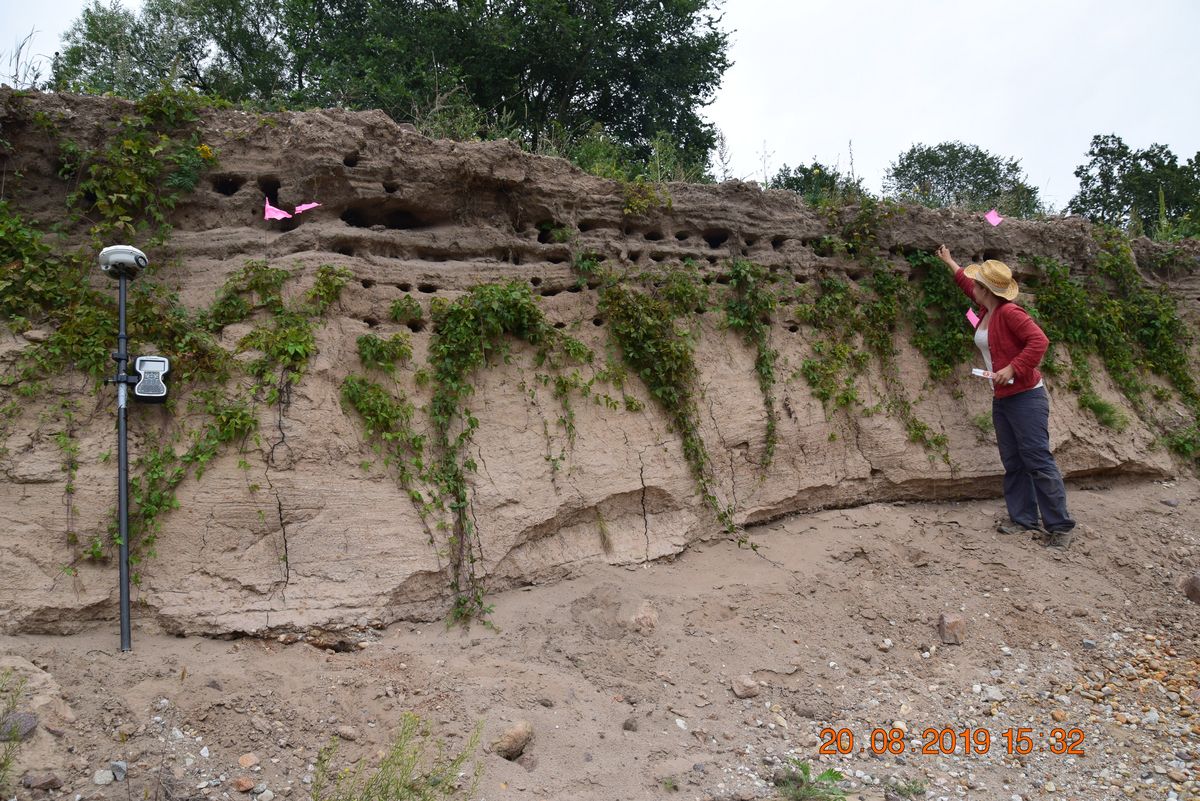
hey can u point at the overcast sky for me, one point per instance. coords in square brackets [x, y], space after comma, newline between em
[1029, 79]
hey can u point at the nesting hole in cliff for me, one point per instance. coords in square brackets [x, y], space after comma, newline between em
[342, 248]
[428, 289]
[597, 321]
[793, 328]
[404, 287]
[654, 236]
[777, 242]
[658, 256]
[575, 288]
[350, 159]
[269, 184]
[751, 241]
[416, 326]
[367, 283]
[627, 230]
[535, 281]
[390, 186]
[588, 225]
[371, 322]
[998, 255]
[549, 293]
[715, 238]
[558, 258]
[387, 212]
[683, 236]
[431, 255]
[723, 278]
[712, 259]
[227, 184]
[560, 325]
[745, 251]
[514, 257]
[635, 255]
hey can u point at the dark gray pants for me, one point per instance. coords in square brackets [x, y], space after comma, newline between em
[1031, 478]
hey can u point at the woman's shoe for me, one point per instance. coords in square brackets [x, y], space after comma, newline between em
[1060, 540]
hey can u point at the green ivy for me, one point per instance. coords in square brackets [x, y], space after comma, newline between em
[388, 419]
[936, 312]
[382, 354]
[661, 354]
[406, 310]
[468, 334]
[748, 311]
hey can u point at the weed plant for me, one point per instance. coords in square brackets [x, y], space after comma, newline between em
[416, 767]
[798, 783]
[11, 689]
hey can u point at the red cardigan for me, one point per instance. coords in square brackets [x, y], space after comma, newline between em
[1013, 338]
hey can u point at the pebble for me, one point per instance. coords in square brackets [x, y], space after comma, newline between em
[348, 733]
[630, 724]
[103, 777]
[266, 795]
[248, 760]
[244, 784]
[119, 770]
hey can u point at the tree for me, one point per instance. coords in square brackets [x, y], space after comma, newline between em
[817, 183]
[533, 68]
[1146, 190]
[963, 176]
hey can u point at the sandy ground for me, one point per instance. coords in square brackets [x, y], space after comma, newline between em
[626, 674]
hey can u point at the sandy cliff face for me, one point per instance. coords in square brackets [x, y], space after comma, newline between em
[295, 533]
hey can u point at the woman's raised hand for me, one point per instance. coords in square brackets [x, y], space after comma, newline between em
[943, 253]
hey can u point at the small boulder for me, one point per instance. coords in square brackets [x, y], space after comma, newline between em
[248, 761]
[41, 781]
[103, 777]
[244, 784]
[1191, 588]
[645, 619]
[952, 628]
[513, 742]
[18, 725]
[348, 733]
[745, 686]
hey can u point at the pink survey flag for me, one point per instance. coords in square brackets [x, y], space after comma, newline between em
[993, 217]
[972, 318]
[303, 207]
[272, 213]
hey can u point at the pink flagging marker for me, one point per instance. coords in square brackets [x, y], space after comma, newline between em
[993, 217]
[972, 318]
[303, 207]
[272, 213]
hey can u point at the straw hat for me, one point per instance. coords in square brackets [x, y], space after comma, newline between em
[996, 276]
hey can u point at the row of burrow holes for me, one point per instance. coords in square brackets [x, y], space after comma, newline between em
[399, 218]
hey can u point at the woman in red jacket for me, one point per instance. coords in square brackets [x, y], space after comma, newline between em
[1012, 345]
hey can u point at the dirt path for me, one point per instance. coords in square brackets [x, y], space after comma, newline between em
[625, 673]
